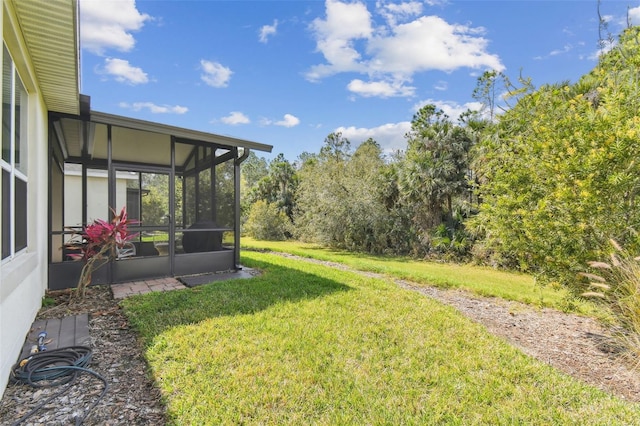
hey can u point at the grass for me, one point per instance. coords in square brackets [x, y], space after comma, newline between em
[308, 344]
[480, 280]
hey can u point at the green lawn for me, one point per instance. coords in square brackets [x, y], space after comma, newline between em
[480, 280]
[308, 344]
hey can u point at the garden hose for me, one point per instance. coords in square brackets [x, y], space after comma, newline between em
[55, 368]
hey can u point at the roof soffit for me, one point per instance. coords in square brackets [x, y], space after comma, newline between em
[51, 39]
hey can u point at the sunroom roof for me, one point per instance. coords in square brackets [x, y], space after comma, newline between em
[136, 140]
[178, 132]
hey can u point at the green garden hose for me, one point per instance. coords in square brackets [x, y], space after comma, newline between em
[55, 368]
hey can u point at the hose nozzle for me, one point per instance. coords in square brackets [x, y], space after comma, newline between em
[41, 337]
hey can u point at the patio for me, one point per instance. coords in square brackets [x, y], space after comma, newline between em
[123, 290]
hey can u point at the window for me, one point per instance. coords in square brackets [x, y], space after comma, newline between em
[14, 160]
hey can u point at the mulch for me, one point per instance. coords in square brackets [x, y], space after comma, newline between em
[131, 399]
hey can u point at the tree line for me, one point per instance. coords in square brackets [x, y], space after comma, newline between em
[539, 180]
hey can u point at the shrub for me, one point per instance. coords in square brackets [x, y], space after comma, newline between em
[100, 242]
[266, 222]
[618, 287]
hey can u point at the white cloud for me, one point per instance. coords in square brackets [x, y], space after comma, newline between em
[215, 74]
[335, 36]
[235, 118]
[155, 109]
[566, 49]
[124, 72]
[268, 30]
[389, 136]
[451, 108]
[394, 12]
[382, 89]
[441, 85]
[607, 18]
[393, 52]
[288, 121]
[431, 43]
[634, 15]
[109, 24]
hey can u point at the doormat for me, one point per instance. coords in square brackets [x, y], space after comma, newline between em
[201, 279]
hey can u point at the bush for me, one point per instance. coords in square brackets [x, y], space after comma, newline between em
[266, 222]
[618, 287]
[561, 175]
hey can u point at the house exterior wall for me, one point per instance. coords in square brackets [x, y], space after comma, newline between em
[23, 277]
[97, 193]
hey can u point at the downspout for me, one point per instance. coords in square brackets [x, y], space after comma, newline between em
[238, 162]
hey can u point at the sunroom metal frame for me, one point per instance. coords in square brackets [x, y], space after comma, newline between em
[81, 140]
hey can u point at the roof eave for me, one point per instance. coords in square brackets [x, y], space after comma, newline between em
[52, 41]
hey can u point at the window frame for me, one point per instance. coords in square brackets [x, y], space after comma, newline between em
[15, 169]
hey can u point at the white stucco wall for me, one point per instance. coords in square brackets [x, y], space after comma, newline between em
[97, 194]
[23, 279]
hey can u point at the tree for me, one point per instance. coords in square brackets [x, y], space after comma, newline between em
[322, 196]
[335, 147]
[279, 185]
[253, 169]
[284, 181]
[267, 222]
[488, 89]
[435, 169]
[276, 185]
[339, 198]
[562, 176]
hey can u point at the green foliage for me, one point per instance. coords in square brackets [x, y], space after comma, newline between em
[399, 228]
[253, 169]
[267, 222]
[561, 175]
[48, 301]
[277, 186]
[487, 91]
[453, 242]
[435, 171]
[340, 201]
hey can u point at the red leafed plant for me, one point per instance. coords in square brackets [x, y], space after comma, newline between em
[100, 242]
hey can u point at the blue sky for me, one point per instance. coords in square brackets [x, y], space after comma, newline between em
[288, 73]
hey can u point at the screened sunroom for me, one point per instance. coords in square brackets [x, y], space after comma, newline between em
[182, 187]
